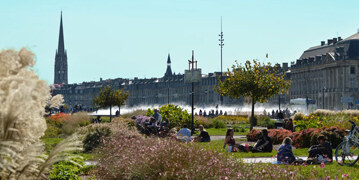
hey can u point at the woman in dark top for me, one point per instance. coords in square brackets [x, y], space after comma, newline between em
[230, 141]
[203, 136]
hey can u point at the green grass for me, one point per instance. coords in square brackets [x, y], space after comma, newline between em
[223, 131]
[217, 145]
[50, 143]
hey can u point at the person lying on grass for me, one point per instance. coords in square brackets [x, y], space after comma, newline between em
[285, 154]
[203, 136]
[322, 152]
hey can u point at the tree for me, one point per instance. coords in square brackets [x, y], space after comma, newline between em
[109, 97]
[257, 81]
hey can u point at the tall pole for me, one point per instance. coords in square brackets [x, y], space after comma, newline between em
[323, 97]
[279, 101]
[192, 62]
[168, 91]
[221, 45]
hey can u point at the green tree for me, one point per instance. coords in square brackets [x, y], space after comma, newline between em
[257, 81]
[109, 97]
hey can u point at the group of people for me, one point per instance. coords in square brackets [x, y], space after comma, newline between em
[317, 153]
[184, 135]
[264, 143]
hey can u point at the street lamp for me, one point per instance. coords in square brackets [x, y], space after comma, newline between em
[192, 75]
[323, 96]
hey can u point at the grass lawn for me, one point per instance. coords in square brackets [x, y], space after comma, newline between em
[50, 143]
[223, 131]
[217, 145]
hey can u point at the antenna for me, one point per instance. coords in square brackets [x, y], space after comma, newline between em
[221, 45]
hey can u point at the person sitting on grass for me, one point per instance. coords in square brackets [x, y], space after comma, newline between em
[184, 134]
[285, 154]
[264, 143]
[322, 152]
[203, 136]
[230, 141]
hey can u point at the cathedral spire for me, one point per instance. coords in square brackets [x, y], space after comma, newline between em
[61, 48]
[61, 75]
[169, 70]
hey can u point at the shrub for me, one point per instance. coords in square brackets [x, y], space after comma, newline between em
[218, 124]
[304, 138]
[52, 131]
[94, 133]
[65, 170]
[58, 119]
[75, 121]
[127, 155]
[277, 135]
[233, 119]
[205, 121]
[130, 122]
[136, 113]
[176, 115]
[298, 116]
[308, 137]
[265, 121]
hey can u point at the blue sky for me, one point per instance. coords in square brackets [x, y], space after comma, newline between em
[112, 38]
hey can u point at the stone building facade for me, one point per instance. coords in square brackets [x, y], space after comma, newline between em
[329, 71]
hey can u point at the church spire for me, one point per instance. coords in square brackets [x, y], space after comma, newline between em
[61, 75]
[61, 48]
[169, 70]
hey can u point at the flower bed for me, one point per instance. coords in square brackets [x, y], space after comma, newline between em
[304, 138]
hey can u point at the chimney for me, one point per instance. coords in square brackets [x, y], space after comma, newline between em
[330, 41]
[322, 43]
[339, 38]
[335, 40]
[285, 66]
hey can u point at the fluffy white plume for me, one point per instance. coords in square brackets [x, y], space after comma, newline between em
[22, 100]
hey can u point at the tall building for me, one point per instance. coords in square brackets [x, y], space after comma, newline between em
[61, 59]
[328, 73]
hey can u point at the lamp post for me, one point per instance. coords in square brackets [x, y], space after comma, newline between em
[279, 101]
[192, 75]
[323, 96]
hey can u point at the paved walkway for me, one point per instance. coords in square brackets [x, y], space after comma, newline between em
[223, 137]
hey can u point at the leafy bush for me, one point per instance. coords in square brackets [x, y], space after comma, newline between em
[298, 116]
[75, 121]
[277, 135]
[233, 119]
[67, 170]
[175, 114]
[130, 122]
[94, 134]
[308, 137]
[205, 121]
[136, 113]
[265, 121]
[52, 131]
[58, 119]
[219, 124]
[304, 138]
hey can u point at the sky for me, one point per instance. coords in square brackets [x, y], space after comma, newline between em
[126, 39]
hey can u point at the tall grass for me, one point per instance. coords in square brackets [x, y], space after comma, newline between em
[23, 98]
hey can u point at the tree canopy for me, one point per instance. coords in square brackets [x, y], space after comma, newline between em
[255, 80]
[109, 97]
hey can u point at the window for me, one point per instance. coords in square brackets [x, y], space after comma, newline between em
[352, 70]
